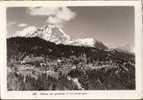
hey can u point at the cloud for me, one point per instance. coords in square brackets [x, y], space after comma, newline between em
[11, 23]
[22, 25]
[34, 11]
[55, 15]
[54, 20]
[26, 32]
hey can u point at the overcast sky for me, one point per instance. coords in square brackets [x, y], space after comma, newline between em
[112, 25]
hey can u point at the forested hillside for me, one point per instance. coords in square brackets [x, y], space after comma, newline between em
[36, 64]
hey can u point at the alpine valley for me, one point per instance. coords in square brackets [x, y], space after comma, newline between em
[47, 58]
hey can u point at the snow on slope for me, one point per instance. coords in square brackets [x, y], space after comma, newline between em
[55, 34]
[82, 42]
[26, 32]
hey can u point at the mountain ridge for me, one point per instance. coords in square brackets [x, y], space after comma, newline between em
[23, 44]
[55, 34]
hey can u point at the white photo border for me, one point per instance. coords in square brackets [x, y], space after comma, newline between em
[74, 94]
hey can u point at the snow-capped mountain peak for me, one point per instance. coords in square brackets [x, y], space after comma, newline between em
[54, 33]
[50, 32]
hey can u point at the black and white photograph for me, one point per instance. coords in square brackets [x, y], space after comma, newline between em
[70, 48]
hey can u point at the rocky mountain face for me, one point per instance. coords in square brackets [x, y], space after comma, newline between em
[53, 33]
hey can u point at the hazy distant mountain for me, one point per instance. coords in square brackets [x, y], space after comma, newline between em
[125, 48]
